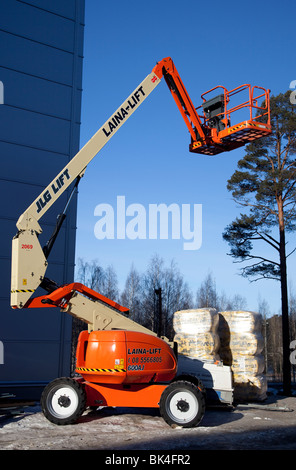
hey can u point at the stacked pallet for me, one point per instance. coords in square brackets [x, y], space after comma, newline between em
[197, 333]
[241, 346]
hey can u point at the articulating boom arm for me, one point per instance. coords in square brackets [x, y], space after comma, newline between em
[99, 312]
[29, 259]
[76, 167]
[166, 68]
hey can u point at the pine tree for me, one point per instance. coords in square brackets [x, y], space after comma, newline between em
[265, 184]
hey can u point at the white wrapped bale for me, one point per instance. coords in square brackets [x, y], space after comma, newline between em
[241, 346]
[203, 346]
[246, 344]
[250, 388]
[240, 321]
[196, 321]
[247, 366]
[236, 338]
[196, 333]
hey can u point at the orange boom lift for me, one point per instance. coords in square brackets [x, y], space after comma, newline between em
[119, 362]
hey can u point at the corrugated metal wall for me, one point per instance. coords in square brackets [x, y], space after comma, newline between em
[41, 43]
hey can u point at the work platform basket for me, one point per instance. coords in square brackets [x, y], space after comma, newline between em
[231, 119]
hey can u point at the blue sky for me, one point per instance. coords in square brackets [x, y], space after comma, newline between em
[148, 161]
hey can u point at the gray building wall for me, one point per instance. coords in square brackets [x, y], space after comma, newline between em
[41, 43]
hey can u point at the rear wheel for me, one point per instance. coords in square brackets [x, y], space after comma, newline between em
[182, 403]
[63, 401]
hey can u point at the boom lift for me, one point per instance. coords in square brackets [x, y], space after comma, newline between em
[119, 362]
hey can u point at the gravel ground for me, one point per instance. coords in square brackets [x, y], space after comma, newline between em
[267, 426]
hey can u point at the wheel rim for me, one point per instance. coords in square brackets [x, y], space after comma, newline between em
[182, 406]
[62, 402]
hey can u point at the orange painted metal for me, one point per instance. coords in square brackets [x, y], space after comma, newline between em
[124, 368]
[60, 297]
[166, 68]
[131, 396]
[256, 123]
[124, 357]
[206, 139]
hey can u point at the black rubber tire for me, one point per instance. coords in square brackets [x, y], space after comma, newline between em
[182, 404]
[63, 401]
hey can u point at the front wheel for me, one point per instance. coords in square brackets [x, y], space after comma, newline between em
[63, 401]
[183, 404]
